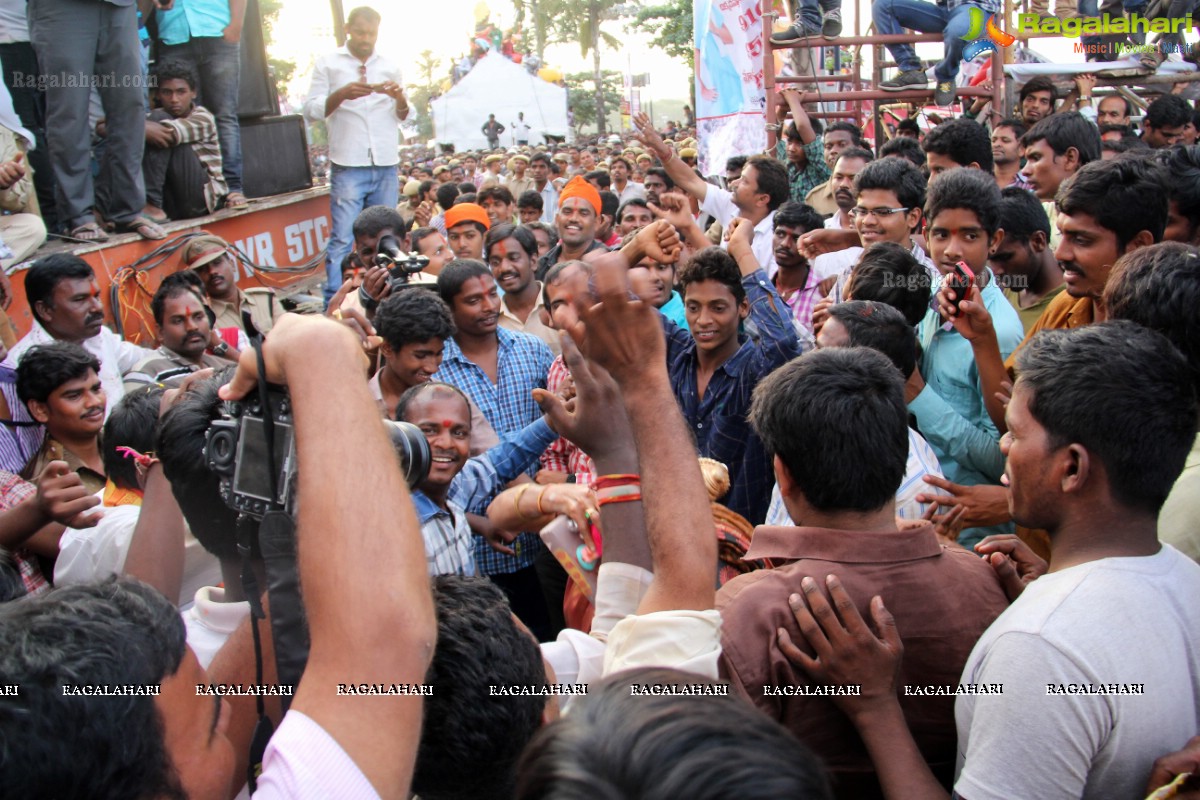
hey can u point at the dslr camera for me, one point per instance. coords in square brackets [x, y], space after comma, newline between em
[236, 451]
[399, 264]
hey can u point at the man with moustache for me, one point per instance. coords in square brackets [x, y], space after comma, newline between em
[796, 281]
[252, 310]
[845, 169]
[578, 219]
[185, 332]
[1006, 154]
[64, 297]
[511, 255]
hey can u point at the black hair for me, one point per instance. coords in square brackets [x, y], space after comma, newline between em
[46, 273]
[368, 14]
[712, 264]
[1018, 127]
[623, 160]
[1039, 83]
[1183, 165]
[544, 228]
[174, 71]
[877, 325]
[904, 147]
[467, 197]
[1158, 287]
[609, 203]
[798, 215]
[470, 741]
[854, 151]
[541, 157]
[970, 189]
[837, 420]
[847, 127]
[894, 175]
[1168, 111]
[633, 201]
[446, 194]
[1063, 131]
[413, 316]
[1022, 215]
[531, 199]
[660, 172]
[500, 193]
[132, 424]
[1124, 195]
[963, 141]
[466, 187]
[413, 392]
[908, 124]
[169, 290]
[772, 179]
[599, 177]
[373, 220]
[735, 162]
[891, 274]
[45, 367]
[117, 632]
[555, 271]
[1112, 127]
[424, 188]
[618, 744]
[418, 234]
[506, 230]
[1084, 382]
[180, 447]
[452, 277]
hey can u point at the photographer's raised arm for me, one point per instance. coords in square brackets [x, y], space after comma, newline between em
[355, 509]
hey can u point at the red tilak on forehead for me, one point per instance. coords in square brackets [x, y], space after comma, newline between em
[447, 423]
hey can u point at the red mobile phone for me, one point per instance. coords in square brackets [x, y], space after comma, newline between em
[961, 281]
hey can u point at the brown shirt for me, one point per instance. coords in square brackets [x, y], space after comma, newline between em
[1064, 311]
[53, 450]
[942, 598]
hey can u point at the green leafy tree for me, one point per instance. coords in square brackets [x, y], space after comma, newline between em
[429, 70]
[282, 70]
[581, 22]
[583, 93]
[670, 25]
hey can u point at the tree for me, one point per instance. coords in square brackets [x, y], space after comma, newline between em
[583, 93]
[419, 94]
[671, 27]
[581, 21]
[281, 69]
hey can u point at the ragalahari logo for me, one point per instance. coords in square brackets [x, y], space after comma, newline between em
[984, 34]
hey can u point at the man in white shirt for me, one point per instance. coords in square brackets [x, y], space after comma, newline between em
[625, 189]
[64, 297]
[1103, 645]
[762, 188]
[359, 95]
[521, 129]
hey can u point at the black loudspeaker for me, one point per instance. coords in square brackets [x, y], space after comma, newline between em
[257, 95]
[274, 156]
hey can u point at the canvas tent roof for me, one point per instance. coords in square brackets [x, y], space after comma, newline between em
[498, 86]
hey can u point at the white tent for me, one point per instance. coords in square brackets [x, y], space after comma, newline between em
[498, 86]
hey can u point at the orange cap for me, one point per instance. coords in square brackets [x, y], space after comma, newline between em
[467, 212]
[578, 187]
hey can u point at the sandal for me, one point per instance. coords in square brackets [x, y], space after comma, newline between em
[88, 232]
[236, 201]
[142, 227]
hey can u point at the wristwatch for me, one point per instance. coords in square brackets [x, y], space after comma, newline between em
[1086, 97]
[221, 349]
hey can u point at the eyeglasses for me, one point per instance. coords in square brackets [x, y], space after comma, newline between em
[881, 213]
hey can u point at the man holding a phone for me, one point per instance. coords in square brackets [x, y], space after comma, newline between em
[359, 95]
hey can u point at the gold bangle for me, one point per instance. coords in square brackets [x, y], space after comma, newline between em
[517, 500]
[541, 494]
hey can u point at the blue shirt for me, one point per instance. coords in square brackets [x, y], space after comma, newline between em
[673, 310]
[950, 410]
[522, 363]
[718, 420]
[190, 19]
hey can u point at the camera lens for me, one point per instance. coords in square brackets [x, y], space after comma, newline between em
[412, 448]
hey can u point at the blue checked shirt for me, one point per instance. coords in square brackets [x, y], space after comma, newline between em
[523, 362]
[718, 420]
[814, 173]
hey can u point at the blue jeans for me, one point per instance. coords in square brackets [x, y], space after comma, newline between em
[893, 16]
[351, 189]
[216, 64]
[811, 10]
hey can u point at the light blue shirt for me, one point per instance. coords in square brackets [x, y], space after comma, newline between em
[950, 410]
[673, 310]
[191, 19]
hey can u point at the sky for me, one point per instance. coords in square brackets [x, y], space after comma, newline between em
[304, 30]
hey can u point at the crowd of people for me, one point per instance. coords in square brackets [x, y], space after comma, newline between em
[859, 470]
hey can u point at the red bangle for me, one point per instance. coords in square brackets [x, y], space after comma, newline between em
[607, 481]
[632, 497]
